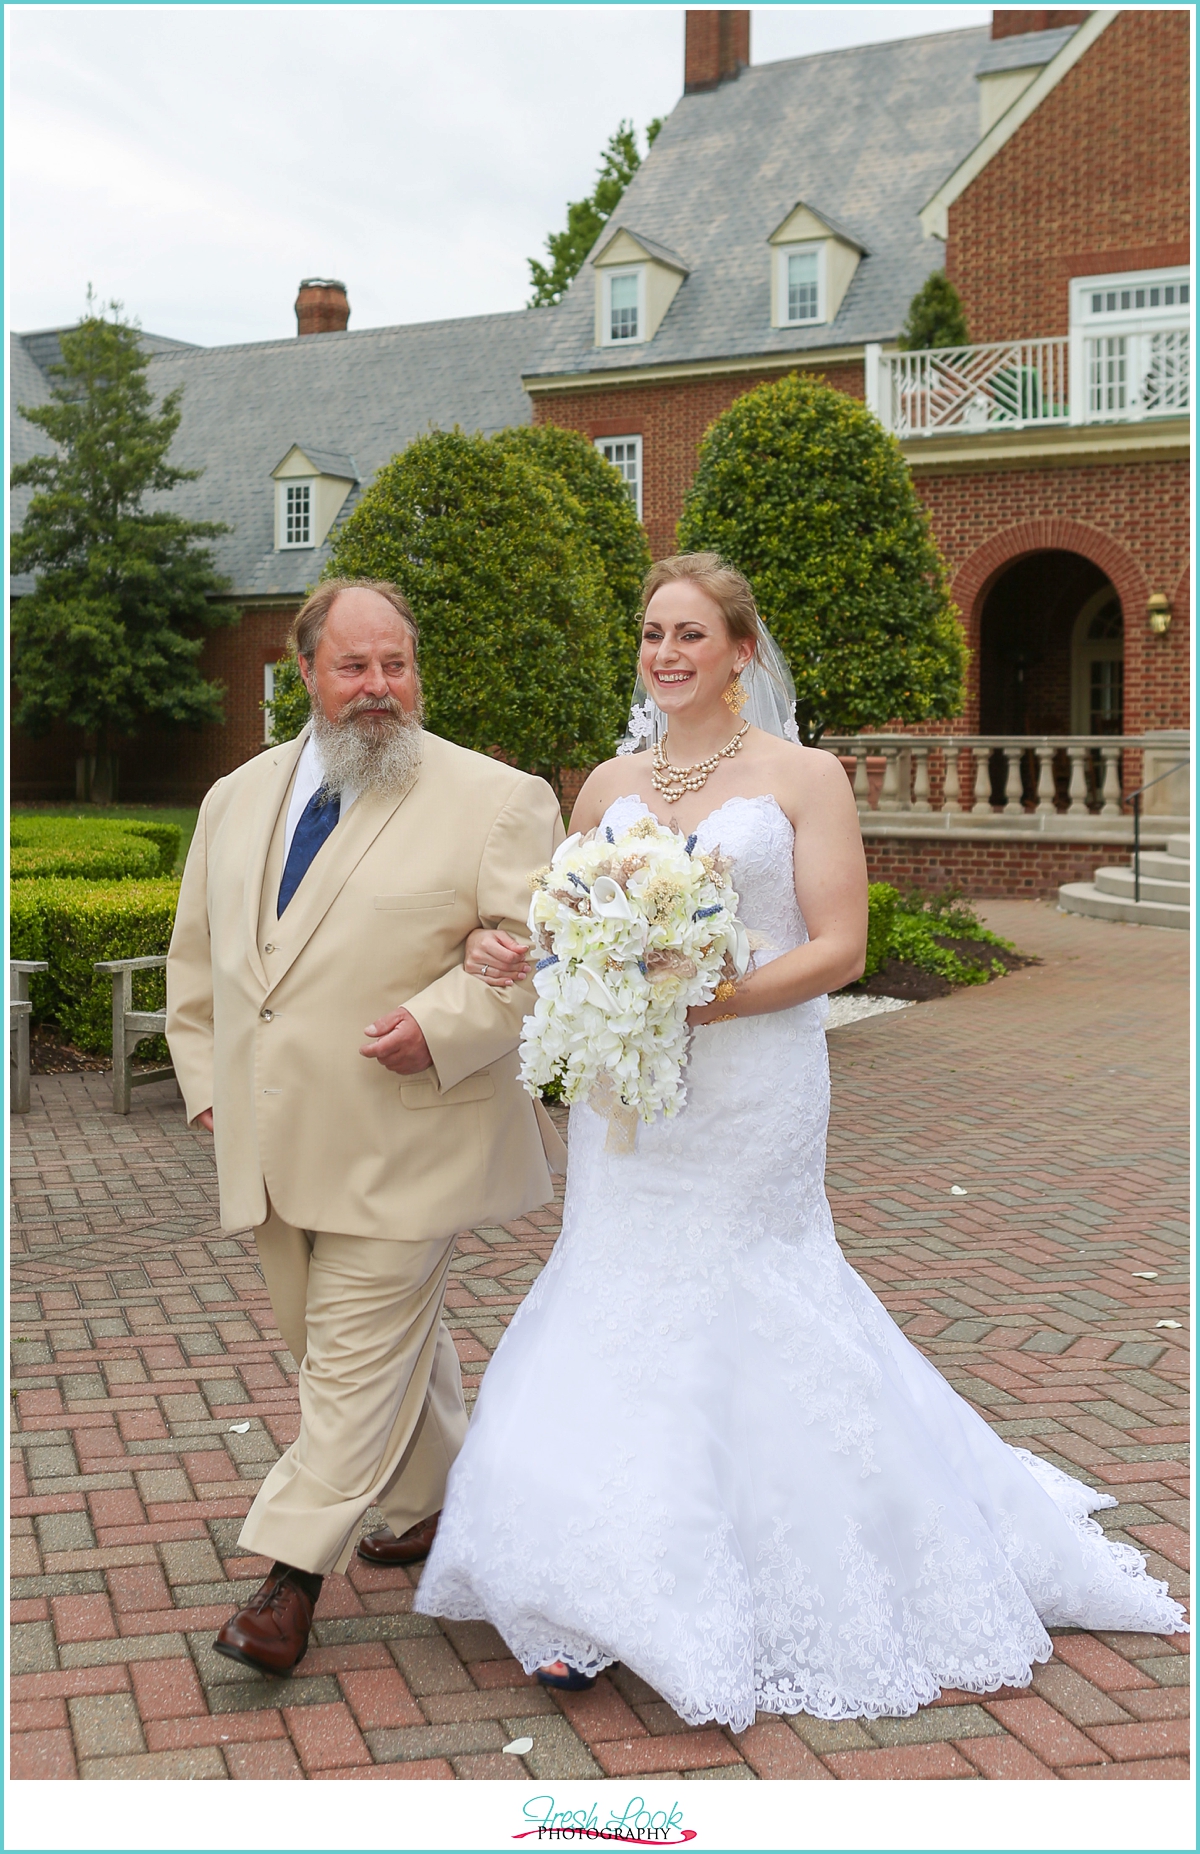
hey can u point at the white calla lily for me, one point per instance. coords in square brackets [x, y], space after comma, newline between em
[609, 901]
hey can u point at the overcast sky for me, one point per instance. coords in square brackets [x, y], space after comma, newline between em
[196, 162]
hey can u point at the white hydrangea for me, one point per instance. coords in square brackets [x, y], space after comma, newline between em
[630, 931]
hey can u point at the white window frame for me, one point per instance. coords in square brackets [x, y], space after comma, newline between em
[281, 540]
[268, 696]
[634, 438]
[1131, 326]
[805, 248]
[607, 339]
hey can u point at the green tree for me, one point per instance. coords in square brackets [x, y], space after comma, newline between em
[586, 218]
[611, 525]
[289, 705]
[801, 488]
[494, 556]
[110, 637]
[936, 317]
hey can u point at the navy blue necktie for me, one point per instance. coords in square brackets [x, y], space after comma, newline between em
[317, 820]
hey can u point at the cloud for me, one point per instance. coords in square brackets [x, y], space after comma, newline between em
[195, 163]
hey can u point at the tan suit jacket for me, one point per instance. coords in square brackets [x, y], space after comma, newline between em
[265, 1017]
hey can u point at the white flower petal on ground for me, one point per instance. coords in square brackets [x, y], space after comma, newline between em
[238, 1429]
[1173, 1324]
[1145, 1274]
[957, 1191]
[518, 1747]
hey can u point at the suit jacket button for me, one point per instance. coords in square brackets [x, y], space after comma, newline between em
[268, 948]
[266, 1016]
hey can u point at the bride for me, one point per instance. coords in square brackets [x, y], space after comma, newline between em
[703, 1448]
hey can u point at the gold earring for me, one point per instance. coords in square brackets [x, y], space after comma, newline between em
[735, 695]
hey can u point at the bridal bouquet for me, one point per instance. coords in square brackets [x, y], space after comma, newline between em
[633, 929]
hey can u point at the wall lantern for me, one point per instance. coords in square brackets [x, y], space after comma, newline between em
[1158, 611]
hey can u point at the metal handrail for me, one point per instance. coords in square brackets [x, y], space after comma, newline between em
[1135, 799]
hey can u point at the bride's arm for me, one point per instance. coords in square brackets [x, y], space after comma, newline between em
[610, 780]
[831, 887]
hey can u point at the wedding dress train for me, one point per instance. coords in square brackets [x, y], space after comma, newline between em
[704, 1449]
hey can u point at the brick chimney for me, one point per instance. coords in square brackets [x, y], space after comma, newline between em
[716, 47]
[1009, 22]
[322, 307]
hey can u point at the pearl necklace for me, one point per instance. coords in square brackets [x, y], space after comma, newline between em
[674, 781]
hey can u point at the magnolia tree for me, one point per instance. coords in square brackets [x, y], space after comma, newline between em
[110, 637]
[505, 569]
[802, 489]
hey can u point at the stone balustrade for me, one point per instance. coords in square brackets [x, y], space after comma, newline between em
[1028, 779]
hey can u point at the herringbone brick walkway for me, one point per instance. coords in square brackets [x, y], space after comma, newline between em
[152, 1392]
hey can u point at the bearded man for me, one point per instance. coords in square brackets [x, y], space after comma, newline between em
[331, 885]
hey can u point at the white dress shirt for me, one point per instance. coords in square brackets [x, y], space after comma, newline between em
[310, 777]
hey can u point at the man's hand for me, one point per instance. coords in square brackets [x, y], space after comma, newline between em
[205, 1120]
[399, 1044]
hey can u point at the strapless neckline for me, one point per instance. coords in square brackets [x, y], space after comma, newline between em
[760, 798]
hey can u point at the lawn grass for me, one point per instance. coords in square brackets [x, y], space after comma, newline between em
[183, 815]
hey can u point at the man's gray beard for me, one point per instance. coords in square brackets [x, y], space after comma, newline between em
[378, 756]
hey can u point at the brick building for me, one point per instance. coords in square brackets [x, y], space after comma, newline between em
[783, 220]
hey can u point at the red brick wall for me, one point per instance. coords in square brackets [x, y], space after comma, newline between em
[1095, 180]
[671, 417]
[1008, 22]
[1014, 871]
[179, 764]
[1131, 520]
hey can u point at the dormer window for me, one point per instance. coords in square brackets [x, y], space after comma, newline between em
[636, 283]
[297, 514]
[623, 293]
[311, 487]
[813, 263]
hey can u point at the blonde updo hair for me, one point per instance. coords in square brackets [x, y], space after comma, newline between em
[728, 589]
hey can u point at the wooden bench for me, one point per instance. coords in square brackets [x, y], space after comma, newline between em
[130, 1027]
[19, 1010]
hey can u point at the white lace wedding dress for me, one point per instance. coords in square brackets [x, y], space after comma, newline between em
[705, 1450]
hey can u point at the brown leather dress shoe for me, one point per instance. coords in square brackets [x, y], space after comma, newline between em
[271, 1633]
[409, 1548]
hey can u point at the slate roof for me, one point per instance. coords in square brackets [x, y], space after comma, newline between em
[863, 136]
[1023, 50]
[360, 395]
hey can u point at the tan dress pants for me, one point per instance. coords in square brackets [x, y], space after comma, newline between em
[381, 1404]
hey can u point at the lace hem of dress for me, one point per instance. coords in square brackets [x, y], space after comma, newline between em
[908, 1668]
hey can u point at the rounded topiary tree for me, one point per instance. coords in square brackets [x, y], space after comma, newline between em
[801, 488]
[494, 556]
[612, 524]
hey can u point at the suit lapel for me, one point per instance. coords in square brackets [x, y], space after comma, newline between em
[330, 869]
[266, 815]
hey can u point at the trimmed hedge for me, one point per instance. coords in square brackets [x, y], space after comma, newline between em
[94, 849]
[881, 912]
[116, 859]
[71, 924]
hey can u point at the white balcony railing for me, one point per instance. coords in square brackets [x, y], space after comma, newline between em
[989, 776]
[1018, 385]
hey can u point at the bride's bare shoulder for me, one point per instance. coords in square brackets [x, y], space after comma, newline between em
[612, 779]
[804, 777]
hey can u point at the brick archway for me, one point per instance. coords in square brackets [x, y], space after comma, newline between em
[978, 574]
[1052, 533]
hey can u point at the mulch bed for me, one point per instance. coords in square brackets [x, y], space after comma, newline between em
[896, 978]
[51, 1054]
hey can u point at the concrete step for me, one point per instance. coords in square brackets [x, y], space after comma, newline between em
[1086, 898]
[1180, 846]
[1120, 881]
[1166, 867]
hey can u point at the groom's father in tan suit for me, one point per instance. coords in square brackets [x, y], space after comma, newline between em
[362, 1091]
